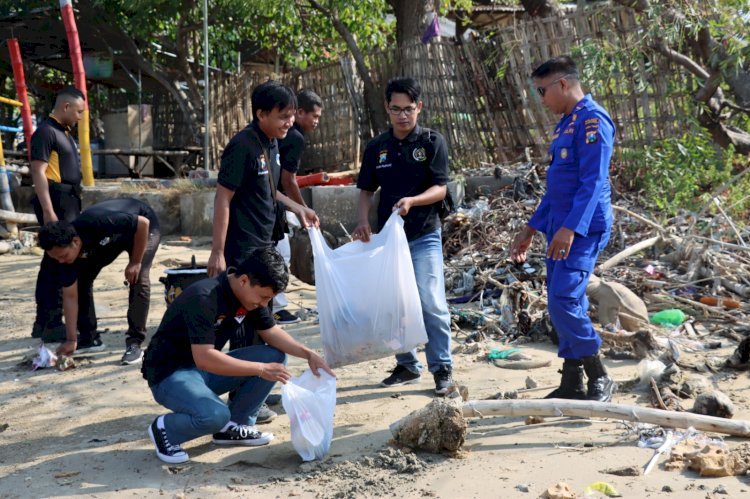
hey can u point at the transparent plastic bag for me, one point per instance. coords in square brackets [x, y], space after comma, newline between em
[368, 303]
[310, 401]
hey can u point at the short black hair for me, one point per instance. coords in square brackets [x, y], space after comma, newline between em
[307, 100]
[68, 94]
[272, 95]
[563, 64]
[408, 86]
[60, 233]
[264, 267]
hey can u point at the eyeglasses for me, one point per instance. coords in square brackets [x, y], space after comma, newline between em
[396, 111]
[543, 90]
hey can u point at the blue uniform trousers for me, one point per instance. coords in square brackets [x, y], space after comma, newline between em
[566, 296]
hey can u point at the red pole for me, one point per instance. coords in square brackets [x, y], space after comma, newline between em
[20, 79]
[79, 76]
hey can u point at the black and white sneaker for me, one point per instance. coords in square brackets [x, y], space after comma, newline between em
[90, 345]
[401, 376]
[443, 380]
[285, 317]
[132, 355]
[242, 435]
[169, 453]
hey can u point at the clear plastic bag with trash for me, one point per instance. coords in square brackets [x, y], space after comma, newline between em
[368, 302]
[310, 402]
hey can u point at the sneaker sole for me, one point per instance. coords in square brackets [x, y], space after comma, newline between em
[246, 443]
[99, 348]
[124, 362]
[284, 323]
[409, 382]
[166, 459]
[265, 421]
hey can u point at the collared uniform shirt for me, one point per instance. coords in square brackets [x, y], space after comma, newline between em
[405, 168]
[291, 149]
[578, 193]
[53, 144]
[245, 167]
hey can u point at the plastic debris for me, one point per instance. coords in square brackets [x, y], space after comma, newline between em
[602, 487]
[670, 317]
[44, 358]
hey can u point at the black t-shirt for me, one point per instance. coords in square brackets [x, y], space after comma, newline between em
[291, 148]
[206, 313]
[106, 229]
[54, 144]
[245, 165]
[405, 168]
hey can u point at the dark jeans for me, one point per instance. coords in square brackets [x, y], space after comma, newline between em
[139, 297]
[66, 202]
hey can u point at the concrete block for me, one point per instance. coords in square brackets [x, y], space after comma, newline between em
[197, 213]
[338, 204]
[166, 204]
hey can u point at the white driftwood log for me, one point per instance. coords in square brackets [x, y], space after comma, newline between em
[19, 218]
[589, 409]
[629, 251]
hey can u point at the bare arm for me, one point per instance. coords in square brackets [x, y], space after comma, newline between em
[70, 312]
[216, 262]
[363, 229]
[207, 358]
[290, 186]
[281, 340]
[41, 188]
[430, 196]
[140, 240]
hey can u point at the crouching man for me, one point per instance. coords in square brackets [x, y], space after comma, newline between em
[187, 371]
[83, 248]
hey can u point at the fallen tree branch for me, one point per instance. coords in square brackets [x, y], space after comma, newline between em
[629, 251]
[19, 218]
[640, 218]
[586, 408]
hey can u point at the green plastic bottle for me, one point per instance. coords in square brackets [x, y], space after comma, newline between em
[669, 317]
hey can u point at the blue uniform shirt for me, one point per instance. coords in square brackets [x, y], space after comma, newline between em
[578, 192]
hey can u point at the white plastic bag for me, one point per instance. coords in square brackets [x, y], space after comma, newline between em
[368, 303]
[310, 401]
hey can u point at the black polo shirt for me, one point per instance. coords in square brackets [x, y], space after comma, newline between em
[53, 143]
[291, 148]
[106, 230]
[206, 313]
[406, 168]
[246, 164]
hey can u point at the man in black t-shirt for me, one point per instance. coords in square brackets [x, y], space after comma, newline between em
[56, 172]
[410, 165]
[187, 371]
[291, 149]
[87, 245]
[246, 194]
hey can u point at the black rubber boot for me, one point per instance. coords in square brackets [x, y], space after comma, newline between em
[600, 385]
[571, 384]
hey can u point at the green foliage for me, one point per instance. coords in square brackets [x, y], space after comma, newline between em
[680, 173]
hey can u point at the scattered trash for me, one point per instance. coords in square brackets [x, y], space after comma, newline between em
[670, 317]
[44, 358]
[602, 487]
[626, 471]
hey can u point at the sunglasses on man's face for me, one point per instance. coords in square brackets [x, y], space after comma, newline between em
[543, 90]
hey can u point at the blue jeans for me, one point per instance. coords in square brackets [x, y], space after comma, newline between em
[193, 395]
[427, 258]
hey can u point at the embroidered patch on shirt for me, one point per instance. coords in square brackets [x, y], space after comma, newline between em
[592, 137]
[105, 241]
[563, 153]
[383, 156]
[419, 154]
[263, 164]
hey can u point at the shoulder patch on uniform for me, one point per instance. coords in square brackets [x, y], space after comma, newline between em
[419, 154]
[592, 137]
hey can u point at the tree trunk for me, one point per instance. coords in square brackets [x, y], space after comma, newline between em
[541, 8]
[412, 18]
[373, 98]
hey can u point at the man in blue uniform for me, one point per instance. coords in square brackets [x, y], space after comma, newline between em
[576, 216]
[410, 165]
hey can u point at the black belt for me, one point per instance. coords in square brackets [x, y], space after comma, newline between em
[71, 188]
